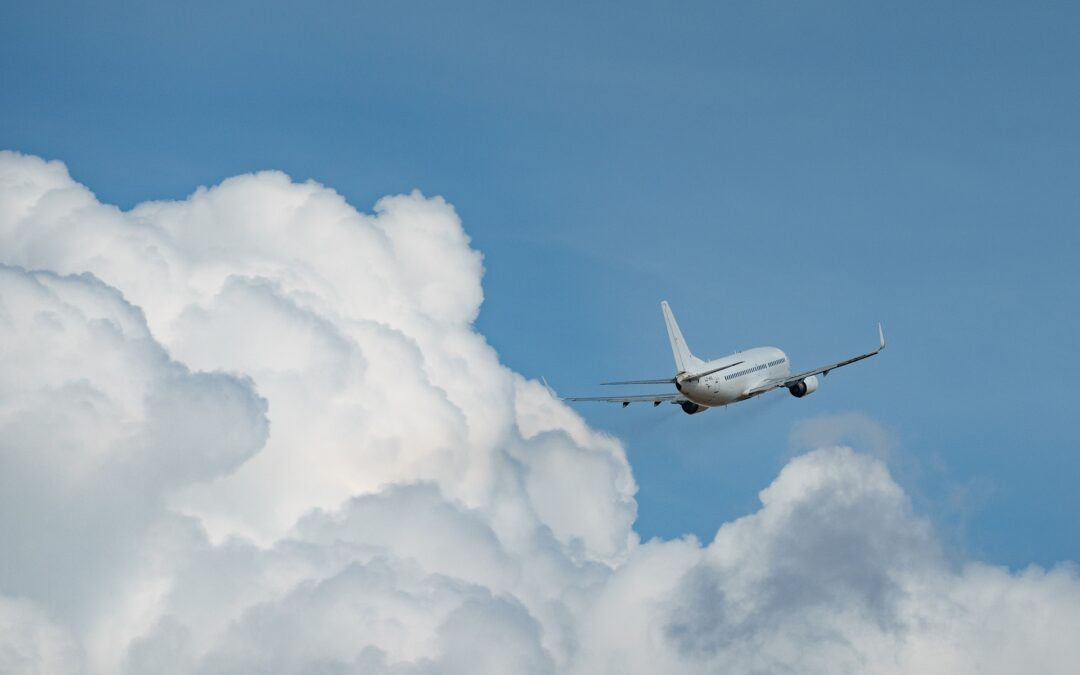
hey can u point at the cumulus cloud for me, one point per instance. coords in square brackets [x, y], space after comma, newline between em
[97, 424]
[255, 430]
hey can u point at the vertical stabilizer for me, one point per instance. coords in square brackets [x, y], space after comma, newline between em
[684, 361]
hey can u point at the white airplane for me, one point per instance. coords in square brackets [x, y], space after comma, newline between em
[709, 384]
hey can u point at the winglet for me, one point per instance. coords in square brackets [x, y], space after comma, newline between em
[881, 336]
[549, 389]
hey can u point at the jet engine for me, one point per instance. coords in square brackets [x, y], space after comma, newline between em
[804, 387]
[690, 408]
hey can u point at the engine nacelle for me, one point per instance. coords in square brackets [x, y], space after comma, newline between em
[691, 408]
[804, 387]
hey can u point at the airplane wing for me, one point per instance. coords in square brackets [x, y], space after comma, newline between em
[778, 382]
[655, 399]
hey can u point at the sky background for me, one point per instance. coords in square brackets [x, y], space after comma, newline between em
[782, 173]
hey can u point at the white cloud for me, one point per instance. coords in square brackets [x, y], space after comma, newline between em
[31, 643]
[255, 430]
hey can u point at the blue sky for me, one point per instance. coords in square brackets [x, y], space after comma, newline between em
[782, 173]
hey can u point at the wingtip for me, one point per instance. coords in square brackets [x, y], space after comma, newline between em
[881, 336]
[550, 390]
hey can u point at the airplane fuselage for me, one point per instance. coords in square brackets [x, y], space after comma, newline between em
[733, 383]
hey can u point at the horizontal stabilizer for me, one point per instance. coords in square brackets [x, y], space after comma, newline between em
[695, 376]
[666, 380]
[641, 398]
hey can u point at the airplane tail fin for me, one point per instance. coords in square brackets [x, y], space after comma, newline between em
[684, 361]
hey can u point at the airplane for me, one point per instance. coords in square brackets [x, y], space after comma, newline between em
[710, 384]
